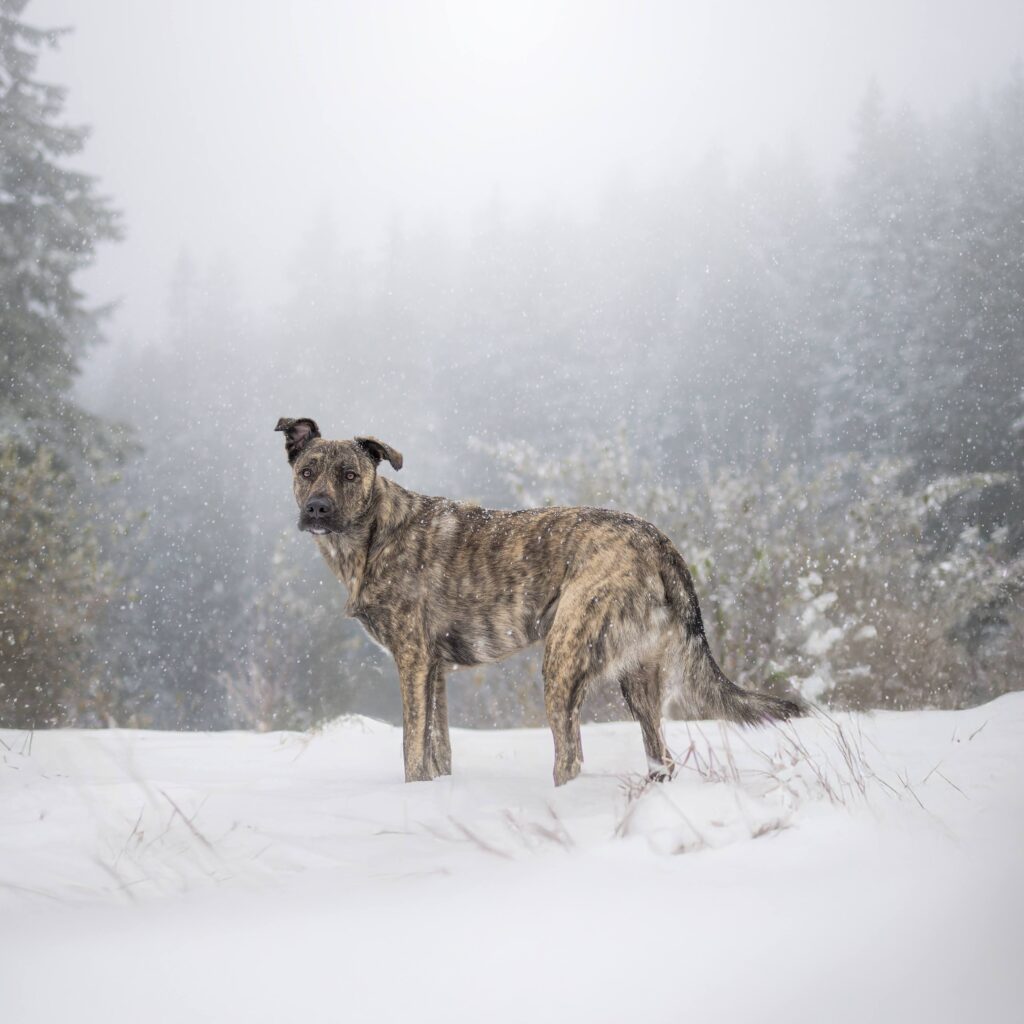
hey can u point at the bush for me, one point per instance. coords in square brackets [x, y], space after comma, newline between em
[53, 589]
[826, 581]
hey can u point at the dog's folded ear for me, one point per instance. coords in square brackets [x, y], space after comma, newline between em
[378, 450]
[297, 434]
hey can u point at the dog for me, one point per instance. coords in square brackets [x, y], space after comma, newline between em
[440, 583]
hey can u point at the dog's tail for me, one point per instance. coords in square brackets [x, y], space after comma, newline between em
[707, 692]
[712, 694]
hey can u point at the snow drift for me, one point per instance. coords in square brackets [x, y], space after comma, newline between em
[847, 868]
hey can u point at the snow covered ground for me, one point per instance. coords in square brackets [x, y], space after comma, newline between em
[865, 868]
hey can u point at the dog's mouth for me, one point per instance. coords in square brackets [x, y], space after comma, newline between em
[317, 528]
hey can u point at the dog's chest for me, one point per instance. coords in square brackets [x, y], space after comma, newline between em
[343, 559]
[371, 622]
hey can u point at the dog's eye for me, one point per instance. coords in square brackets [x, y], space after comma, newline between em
[307, 473]
[350, 475]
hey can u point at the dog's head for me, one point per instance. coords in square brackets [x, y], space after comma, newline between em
[333, 480]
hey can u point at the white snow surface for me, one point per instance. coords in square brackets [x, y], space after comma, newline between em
[859, 868]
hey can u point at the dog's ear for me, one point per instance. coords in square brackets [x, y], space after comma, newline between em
[378, 450]
[297, 434]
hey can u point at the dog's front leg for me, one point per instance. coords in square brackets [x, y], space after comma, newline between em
[414, 675]
[440, 741]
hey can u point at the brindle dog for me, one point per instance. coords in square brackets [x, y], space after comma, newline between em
[440, 583]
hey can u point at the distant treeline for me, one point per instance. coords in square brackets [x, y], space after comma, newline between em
[817, 388]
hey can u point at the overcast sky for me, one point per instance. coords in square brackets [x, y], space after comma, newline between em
[223, 127]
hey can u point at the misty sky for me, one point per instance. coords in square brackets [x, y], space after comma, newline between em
[225, 127]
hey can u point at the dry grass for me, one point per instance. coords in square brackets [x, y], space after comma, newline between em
[801, 765]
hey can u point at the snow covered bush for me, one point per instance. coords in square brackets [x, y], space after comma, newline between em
[831, 582]
[302, 661]
[54, 585]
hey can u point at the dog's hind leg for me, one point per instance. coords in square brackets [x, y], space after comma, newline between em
[438, 737]
[565, 681]
[563, 696]
[641, 688]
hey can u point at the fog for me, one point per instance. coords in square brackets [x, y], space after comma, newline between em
[226, 129]
[754, 272]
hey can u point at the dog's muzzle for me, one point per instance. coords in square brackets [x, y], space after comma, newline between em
[317, 514]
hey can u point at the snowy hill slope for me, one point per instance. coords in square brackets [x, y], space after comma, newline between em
[867, 867]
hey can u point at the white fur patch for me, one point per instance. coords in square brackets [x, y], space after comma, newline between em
[633, 650]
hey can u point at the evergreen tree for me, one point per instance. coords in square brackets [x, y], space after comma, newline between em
[878, 272]
[969, 412]
[55, 580]
[50, 222]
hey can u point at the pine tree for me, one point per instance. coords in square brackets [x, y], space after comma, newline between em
[50, 222]
[54, 579]
[878, 273]
[970, 415]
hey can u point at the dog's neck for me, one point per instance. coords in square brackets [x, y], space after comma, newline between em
[351, 554]
[392, 509]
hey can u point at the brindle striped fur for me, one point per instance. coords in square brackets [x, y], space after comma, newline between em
[440, 583]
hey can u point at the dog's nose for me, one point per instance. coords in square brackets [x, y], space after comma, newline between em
[318, 507]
